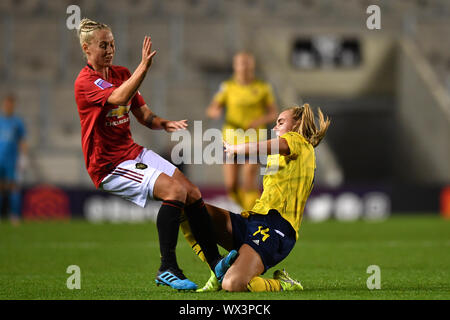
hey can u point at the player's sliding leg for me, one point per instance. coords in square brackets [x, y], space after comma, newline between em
[280, 282]
[259, 284]
[187, 233]
[236, 196]
[248, 198]
[216, 277]
[203, 229]
[222, 228]
[173, 195]
[249, 191]
[212, 284]
[231, 179]
[243, 275]
[247, 266]
[286, 282]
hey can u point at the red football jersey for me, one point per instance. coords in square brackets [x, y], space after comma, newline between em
[105, 128]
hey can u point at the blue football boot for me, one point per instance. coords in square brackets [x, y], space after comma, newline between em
[175, 279]
[224, 264]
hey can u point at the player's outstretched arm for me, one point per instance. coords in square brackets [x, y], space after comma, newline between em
[123, 94]
[214, 110]
[269, 117]
[273, 146]
[147, 118]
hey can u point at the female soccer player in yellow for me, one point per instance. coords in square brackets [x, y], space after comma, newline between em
[249, 104]
[265, 234]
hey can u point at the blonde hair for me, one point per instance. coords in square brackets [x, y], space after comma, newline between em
[306, 125]
[244, 53]
[87, 28]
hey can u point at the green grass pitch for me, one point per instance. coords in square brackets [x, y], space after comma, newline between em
[119, 261]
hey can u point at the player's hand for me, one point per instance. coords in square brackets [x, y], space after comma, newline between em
[254, 124]
[229, 149]
[147, 53]
[214, 112]
[171, 126]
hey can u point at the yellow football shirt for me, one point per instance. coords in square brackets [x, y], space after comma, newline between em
[288, 181]
[244, 104]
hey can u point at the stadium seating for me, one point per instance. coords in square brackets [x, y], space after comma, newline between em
[195, 39]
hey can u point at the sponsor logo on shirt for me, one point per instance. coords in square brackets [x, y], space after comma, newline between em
[102, 84]
[117, 123]
[118, 112]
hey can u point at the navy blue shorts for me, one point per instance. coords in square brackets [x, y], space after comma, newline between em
[270, 235]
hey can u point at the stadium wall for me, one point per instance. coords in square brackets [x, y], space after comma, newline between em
[423, 116]
[346, 203]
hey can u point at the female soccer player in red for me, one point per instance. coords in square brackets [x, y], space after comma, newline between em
[105, 94]
[265, 234]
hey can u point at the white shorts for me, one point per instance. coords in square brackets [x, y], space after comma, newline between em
[134, 180]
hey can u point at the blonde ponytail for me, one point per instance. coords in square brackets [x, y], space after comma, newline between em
[306, 125]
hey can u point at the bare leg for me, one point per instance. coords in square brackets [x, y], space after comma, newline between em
[231, 179]
[247, 266]
[250, 191]
[168, 188]
[177, 187]
[192, 192]
[250, 175]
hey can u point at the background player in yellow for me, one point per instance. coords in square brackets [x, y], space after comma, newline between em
[249, 103]
[266, 234]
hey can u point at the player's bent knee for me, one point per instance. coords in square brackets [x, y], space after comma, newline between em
[234, 284]
[176, 192]
[194, 193]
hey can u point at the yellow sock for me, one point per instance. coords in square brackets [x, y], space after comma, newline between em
[258, 284]
[186, 229]
[249, 198]
[236, 196]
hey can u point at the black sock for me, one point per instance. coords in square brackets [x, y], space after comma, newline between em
[168, 224]
[203, 230]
